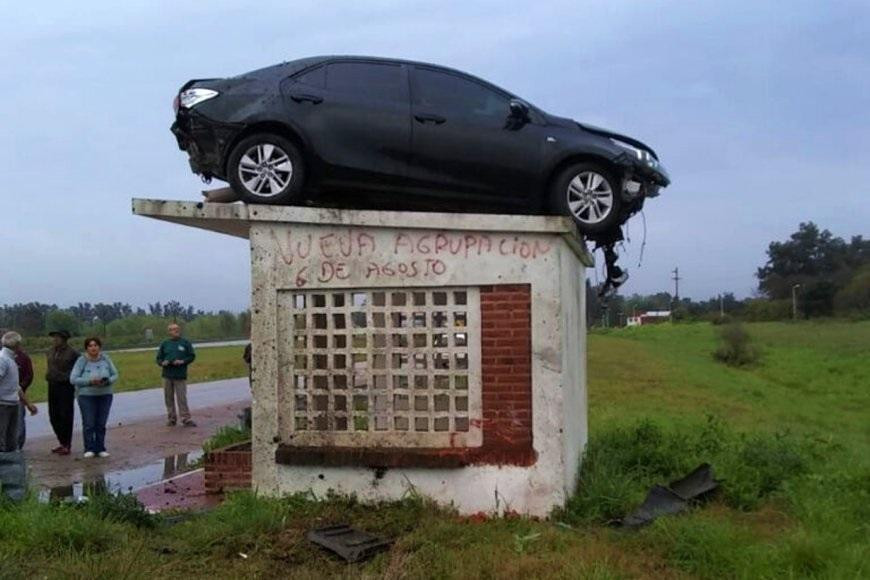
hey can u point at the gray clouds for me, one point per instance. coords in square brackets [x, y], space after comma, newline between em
[759, 110]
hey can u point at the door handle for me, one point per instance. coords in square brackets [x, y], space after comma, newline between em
[300, 97]
[429, 118]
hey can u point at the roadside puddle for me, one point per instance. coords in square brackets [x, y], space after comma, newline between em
[124, 481]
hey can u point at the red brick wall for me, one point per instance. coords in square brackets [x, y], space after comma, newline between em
[506, 381]
[228, 468]
[506, 366]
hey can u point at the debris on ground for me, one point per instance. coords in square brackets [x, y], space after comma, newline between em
[350, 544]
[676, 497]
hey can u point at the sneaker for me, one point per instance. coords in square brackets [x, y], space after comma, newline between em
[59, 449]
[63, 451]
[103, 453]
[89, 454]
[170, 423]
[189, 423]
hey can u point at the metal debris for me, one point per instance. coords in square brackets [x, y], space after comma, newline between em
[350, 544]
[662, 501]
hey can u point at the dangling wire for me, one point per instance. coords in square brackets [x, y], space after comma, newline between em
[643, 243]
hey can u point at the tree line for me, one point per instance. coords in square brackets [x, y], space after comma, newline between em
[828, 275]
[120, 323]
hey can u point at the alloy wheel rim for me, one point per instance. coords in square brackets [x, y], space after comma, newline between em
[265, 170]
[590, 197]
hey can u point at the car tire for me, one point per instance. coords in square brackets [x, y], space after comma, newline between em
[266, 168]
[589, 194]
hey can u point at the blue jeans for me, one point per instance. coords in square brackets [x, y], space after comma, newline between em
[95, 414]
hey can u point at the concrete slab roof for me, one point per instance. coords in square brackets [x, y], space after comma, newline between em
[235, 219]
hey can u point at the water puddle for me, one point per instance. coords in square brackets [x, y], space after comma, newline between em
[124, 481]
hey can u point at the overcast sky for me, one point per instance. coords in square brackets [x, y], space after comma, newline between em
[760, 110]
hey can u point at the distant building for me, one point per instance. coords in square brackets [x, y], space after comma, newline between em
[651, 317]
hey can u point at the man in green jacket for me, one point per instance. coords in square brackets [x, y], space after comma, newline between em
[174, 354]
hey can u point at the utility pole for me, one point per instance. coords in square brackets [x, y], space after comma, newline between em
[794, 301]
[676, 301]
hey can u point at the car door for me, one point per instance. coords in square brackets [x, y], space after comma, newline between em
[463, 142]
[356, 118]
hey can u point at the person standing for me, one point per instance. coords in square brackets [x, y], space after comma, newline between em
[93, 375]
[10, 393]
[25, 379]
[174, 355]
[60, 360]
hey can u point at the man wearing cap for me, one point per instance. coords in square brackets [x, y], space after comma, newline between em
[60, 360]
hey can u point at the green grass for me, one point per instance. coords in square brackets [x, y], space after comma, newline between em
[788, 436]
[138, 370]
[226, 435]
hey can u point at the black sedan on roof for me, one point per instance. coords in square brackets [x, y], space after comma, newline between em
[362, 123]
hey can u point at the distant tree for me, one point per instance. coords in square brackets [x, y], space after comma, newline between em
[227, 322]
[26, 318]
[173, 309]
[855, 296]
[62, 320]
[816, 260]
[245, 322]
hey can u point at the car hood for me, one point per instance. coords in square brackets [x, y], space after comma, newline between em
[569, 123]
[618, 136]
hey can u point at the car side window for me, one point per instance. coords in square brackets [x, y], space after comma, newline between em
[385, 82]
[315, 77]
[452, 95]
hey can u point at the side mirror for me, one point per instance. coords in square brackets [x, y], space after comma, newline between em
[519, 110]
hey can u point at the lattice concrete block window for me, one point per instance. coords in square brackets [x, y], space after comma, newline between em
[383, 367]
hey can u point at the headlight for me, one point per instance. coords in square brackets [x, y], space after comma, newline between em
[192, 97]
[641, 154]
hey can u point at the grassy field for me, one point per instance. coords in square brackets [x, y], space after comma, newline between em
[137, 370]
[789, 437]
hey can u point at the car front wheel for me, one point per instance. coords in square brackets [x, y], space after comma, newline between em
[590, 195]
[266, 168]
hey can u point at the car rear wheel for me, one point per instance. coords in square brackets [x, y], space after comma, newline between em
[588, 193]
[266, 168]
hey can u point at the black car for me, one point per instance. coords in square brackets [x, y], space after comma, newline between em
[357, 123]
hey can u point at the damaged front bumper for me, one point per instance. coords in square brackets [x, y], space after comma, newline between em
[642, 179]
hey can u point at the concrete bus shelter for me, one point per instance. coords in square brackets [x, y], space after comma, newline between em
[396, 352]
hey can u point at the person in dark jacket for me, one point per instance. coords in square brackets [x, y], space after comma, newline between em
[60, 360]
[174, 355]
[25, 379]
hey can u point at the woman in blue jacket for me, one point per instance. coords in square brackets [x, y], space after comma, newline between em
[93, 376]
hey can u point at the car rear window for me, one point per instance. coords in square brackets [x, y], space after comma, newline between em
[370, 80]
